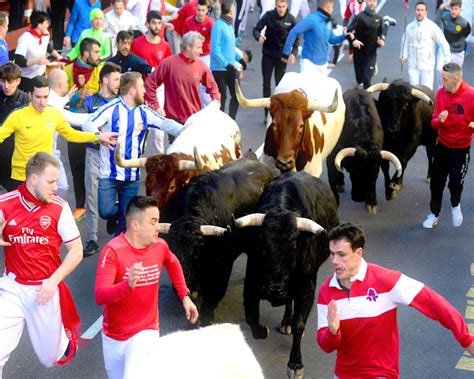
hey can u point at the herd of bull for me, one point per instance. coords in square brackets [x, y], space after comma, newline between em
[211, 215]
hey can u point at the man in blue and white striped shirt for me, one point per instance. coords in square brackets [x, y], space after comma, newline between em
[128, 116]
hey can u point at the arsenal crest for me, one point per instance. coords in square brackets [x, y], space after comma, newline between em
[45, 222]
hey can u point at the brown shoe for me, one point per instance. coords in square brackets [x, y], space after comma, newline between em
[79, 214]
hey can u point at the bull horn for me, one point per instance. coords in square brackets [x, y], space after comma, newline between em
[197, 159]
[314, 105]
[128, 163]
[344, 153]
[186, 165]
[421, 95]
[378, 87]
[164, 227]
[307, 225]
[212, 230]
[392, 158]
[254, 219]
[263, 102]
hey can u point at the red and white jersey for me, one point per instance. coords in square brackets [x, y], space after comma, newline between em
[368, 315]
[36, 234]
[353, 9]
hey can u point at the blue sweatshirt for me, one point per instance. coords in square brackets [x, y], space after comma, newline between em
[79, 20]
[223, 46]
[318, 34]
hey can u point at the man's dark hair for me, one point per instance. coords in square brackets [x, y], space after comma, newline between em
[124, 35]
[452, 68]
[38, 82]
[38, 17]
[353, 234]
[3, 18]
[454, 3]
[10, 71]
[87, 44]
[324, 3]
[421, 3]
[139, 204]
[203, 2]
[226, 5]
[107, 69]
[153, 15]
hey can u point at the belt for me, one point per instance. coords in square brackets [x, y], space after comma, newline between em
[24, 281]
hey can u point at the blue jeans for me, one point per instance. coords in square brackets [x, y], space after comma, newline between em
[109, 190]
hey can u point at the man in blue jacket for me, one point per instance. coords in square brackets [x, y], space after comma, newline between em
[318, 34]
[79, 20]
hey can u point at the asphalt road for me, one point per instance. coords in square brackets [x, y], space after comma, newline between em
[442, 258]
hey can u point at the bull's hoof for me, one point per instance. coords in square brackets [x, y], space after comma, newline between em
[395, 186]
[261, 333]
[340, 188]
[295, 373]
[390, 195]
[372, 209]
[285, 329]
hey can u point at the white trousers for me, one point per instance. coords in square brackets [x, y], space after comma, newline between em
[155, 141]
[45, 327]
[300, 5]
[308, 67]
[91, 183]
[458, 58]
[120, 357]
[267, 5]
[62, 183]
[424, 77]
[205, 97]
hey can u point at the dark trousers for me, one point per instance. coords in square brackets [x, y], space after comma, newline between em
[225, 79]
[448, 162]
[77, 159]
[364, 67]
[6, 151]
[270, 63]
[26, 84]
[58, 15]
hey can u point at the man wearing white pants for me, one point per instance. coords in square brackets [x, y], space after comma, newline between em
[127, 284]
[419, 47]
[34, 223]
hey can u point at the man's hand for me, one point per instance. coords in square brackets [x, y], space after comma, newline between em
[261, 39]
[41, 61]
[333, 317]
[471, 125]
[134, 274]
[108, 139]
[218, 103]
[2, 225]
[72, 91]
[380, 42]
[85, 93]
[402, 59]
[192, 313]
[169, 26]
[349, 34]
[470, 349]
[443, 116]
[46, 291]
[66, 41]
[357, 44]
[161, 111]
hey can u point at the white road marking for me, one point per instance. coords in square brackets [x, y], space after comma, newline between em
[94, 329]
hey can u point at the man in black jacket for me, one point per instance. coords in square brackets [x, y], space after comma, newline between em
[369, 36]
[127, 60]
[277, 24]
[11, 98]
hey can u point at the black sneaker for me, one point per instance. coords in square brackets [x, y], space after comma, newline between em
[91, 248]
[111, 224]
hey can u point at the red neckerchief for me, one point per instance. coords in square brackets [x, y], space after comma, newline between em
[37, 35]
[81, 74]
[28, 196]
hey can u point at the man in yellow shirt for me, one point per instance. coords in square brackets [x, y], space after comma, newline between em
[34, 126]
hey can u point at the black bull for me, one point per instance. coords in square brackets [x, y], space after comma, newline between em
[405, 112]
[293, 213]
[199, 233]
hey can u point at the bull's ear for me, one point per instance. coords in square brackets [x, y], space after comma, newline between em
[269, 147]
[307, 115]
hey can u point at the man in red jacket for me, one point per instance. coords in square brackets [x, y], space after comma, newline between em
[357, 310]
[127, 283]
[453, 118]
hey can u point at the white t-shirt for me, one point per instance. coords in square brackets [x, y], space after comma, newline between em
[30, 47]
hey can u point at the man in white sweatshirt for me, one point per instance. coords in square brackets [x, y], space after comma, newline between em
[419, 46]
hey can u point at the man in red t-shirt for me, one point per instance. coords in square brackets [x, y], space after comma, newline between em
[34, 223]
[182, 74]
[453, 118]
[202, 24]
[357, 310]
[150, 46]
[127, 284]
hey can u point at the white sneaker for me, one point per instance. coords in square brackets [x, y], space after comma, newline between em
[457, 216]
[431, 221]
[390, 21]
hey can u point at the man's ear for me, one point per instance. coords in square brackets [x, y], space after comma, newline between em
[359, 251]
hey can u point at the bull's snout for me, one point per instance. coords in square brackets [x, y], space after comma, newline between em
[275, 295]
[285, 164]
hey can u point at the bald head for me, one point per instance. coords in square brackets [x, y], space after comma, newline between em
[57, 81]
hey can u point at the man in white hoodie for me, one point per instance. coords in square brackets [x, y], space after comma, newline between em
[419, 46]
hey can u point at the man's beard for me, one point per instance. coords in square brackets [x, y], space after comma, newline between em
[139, 100]
[153, 32]
[91, 62]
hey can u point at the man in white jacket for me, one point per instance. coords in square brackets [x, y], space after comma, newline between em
[419, 46]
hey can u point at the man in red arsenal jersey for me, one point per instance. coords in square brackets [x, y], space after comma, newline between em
[127, 283]
[34, 222]
[151, 47]
[357, 310]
